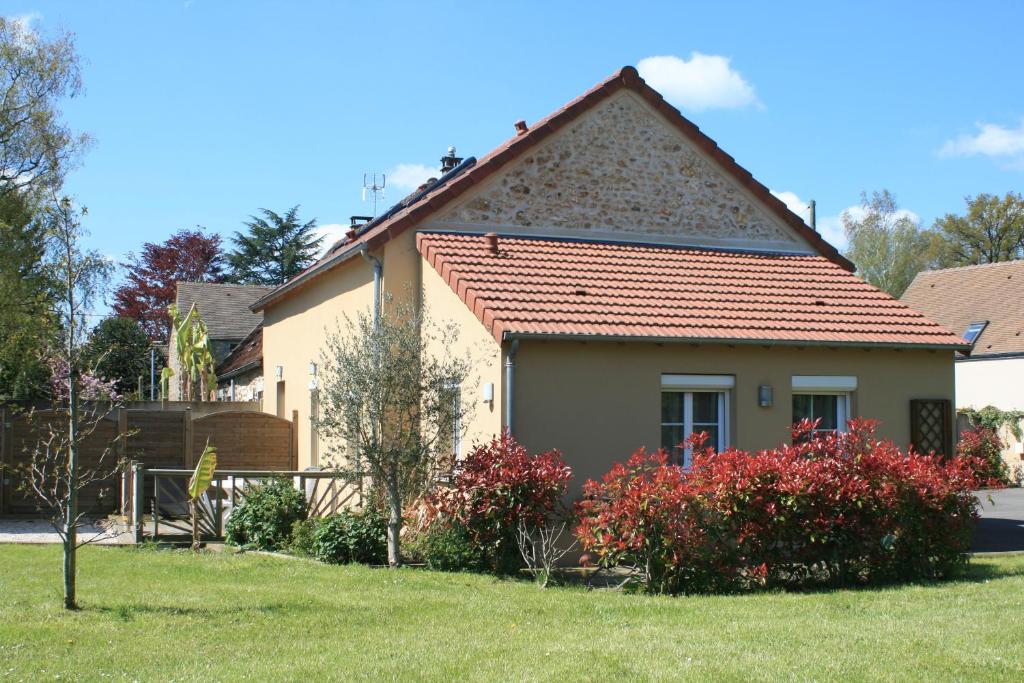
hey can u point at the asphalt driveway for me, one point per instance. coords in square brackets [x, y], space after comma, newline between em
[1002, 521]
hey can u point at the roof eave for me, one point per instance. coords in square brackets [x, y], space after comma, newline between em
[508, 336]
[304, 278]
[252, 365]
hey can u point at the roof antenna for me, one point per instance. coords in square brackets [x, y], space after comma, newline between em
[373, 183]
[814, 220]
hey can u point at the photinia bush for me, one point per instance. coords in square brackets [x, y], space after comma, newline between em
[495, 487]
[828, 508]
[982, 449]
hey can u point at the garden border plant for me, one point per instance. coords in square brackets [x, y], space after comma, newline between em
[827, 509]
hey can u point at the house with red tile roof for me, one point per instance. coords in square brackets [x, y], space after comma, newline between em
[623, 282]
[985, 304]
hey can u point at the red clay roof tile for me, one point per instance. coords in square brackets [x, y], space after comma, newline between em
[582, 288]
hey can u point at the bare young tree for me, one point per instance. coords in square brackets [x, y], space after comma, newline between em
[54, 472]
[389, 393]
[542, 547]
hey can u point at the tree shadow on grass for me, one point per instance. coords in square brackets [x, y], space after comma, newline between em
[127, 612]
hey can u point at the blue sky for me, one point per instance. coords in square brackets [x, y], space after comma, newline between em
[204, 111]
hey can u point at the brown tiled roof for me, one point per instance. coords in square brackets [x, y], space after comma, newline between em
[576, 288]
[956, 297]
[248, 353]
[225, 308]
[417, 207]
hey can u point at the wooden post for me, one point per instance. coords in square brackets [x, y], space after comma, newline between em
[295, 440]
[189, 460]
[138, 477]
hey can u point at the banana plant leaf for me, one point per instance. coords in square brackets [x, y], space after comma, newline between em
[201, 478]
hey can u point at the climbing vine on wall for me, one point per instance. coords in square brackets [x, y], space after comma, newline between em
[994, 419]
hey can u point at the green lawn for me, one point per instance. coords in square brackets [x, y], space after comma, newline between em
[163, 615]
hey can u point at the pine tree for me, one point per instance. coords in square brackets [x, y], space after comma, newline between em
[274, 249]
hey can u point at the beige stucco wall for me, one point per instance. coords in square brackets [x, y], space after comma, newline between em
[443, 305]
[995, 382]
[294, 330]
[598, 402]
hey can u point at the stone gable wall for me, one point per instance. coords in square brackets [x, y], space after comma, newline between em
[620, 168]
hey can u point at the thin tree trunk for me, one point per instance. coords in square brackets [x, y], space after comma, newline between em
[394, 524]
[71, 521]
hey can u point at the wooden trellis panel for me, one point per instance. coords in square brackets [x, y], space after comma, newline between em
[931, 426]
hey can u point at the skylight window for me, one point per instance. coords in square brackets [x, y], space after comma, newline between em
[974, 331]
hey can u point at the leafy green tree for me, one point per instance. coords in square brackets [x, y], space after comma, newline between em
[274, 249]
[887, 245]
[992, 230]
[28, 327]
[118, 349]
[36, 148]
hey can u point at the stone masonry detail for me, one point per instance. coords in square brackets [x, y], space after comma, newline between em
[619, 168]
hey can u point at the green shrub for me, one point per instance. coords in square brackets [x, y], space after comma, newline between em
[265, 517]
[445, 548]
[303, 541]
[351, 536]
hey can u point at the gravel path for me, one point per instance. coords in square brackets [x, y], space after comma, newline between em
[40, 531]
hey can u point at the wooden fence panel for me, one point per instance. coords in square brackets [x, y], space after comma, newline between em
[255, 441]
[158, 438]
[99, 497]
[163, 439]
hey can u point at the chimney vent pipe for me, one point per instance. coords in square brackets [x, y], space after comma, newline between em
[492, 242]
[521, 127]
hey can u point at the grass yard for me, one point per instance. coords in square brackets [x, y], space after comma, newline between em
[165, 615]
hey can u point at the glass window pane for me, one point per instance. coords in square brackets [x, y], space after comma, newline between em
[825, 408]
[801, 407]
[712, 432]
[672, 406]
[705, 407]
[671, 437]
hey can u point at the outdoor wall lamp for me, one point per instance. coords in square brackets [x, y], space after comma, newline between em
[489, 392]
[764, 396]
[312, 369]
[279, 372]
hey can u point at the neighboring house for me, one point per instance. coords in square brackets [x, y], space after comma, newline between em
[623, 283]
[225, 308]
[984, 304]
[240, 374]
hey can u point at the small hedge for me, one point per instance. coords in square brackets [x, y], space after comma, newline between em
[443, 547]
[264, 518]
[828, 509]
[981, 448]
[497, 486]
[351, 536]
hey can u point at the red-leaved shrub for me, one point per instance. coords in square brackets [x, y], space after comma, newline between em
[495, 487]
[835, 509]
[981, 448]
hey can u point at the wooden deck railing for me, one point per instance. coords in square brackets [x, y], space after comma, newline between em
[156, 505]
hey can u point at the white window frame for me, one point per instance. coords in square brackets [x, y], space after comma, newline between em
[842, 386]
[688, 385]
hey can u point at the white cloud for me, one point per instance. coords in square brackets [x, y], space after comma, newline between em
[702, 82]
[991, 140]
[331, 232]
[24, 22]
[408, 177]
[793, 203]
